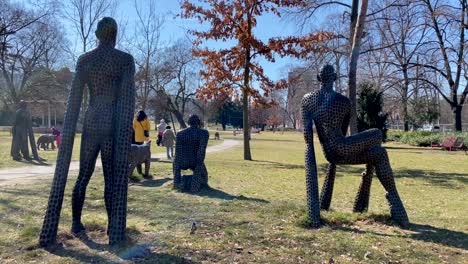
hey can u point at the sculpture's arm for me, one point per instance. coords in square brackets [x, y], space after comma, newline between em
[310, 165]
[123, 115]
[51, 219]
[202, 149]
[124, 107]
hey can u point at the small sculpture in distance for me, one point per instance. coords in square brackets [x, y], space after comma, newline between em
[330, 111]
[140, 154]
[22, 132]
[190, 154]
[216, 136]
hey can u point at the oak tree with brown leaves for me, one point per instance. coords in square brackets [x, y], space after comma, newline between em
[231, 71]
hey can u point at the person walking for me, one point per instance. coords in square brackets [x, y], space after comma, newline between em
[141, 127]
[168, 140]
[161, 128]
[56, 133]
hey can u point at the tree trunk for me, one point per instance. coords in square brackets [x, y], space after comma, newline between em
[457, 114]
[405, 98]
[356, 46]
[245, 108]
[180, 119]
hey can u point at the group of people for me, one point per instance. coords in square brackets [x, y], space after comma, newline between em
[141, 128]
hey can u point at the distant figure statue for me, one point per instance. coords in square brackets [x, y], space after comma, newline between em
[216, 136]
[331, 112]
[22, 133]
[109, 76]
[140, 154]
[190, 154]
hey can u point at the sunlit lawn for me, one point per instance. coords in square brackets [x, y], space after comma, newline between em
[254, 211]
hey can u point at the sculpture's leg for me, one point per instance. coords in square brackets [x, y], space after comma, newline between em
[139, 169]
[118, 224]
[177, 176]
[106, 159]
[204, 175]
[196, 180]
[147, 167]
[362, 198]
[385, 174]
[23, 144]
[88, 154]
[312, 191]
[327, 189]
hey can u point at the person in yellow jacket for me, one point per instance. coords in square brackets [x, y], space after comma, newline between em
[141, 128]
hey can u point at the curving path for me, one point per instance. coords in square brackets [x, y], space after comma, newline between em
[34, 171]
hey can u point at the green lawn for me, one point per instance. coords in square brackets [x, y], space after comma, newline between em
[50, 156]
[254, 213]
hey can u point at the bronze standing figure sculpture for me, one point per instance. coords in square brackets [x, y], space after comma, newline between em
[330, 112]
[109, 76]
[22, 133]
[190, 154]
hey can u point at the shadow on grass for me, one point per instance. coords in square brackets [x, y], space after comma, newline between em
[426, 233]
[279, 165]
[420, 232]
[437, 178]
[35, 162]
[130, 251]
[218, 194]
[152, 182]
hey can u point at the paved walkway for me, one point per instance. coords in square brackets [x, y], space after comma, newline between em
[34, 171]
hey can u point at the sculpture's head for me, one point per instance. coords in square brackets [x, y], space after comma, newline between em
[22, 104]
[327, 74]
[194, 121]
[106, 31]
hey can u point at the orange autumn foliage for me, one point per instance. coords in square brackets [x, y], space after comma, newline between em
[230, 71]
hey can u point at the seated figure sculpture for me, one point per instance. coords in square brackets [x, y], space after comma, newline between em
[190, 154]
[109, 76]
[330, 111]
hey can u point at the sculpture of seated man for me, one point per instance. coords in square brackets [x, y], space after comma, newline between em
[190, 154]
[330, 111]
[108, 74]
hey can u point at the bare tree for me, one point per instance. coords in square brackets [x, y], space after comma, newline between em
[403, 32]
[84, 15]
[147, 47]
[31, 48]
[447, 20]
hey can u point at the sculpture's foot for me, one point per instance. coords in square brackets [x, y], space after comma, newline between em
[397, 210]
[147, 176]
[117, 239]
[314, 222]
[78, 228]
[17, 158]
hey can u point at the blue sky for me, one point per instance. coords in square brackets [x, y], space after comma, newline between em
[176, 28]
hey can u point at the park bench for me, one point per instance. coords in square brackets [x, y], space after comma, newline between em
[451, 143]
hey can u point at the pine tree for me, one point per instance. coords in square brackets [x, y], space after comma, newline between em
[369, 109]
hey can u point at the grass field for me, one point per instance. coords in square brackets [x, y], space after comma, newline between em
[254, 213]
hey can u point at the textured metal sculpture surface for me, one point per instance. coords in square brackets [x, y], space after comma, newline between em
[109, 75]
[330, 112]
[140, 154]
[190, 154]
[22, 132]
